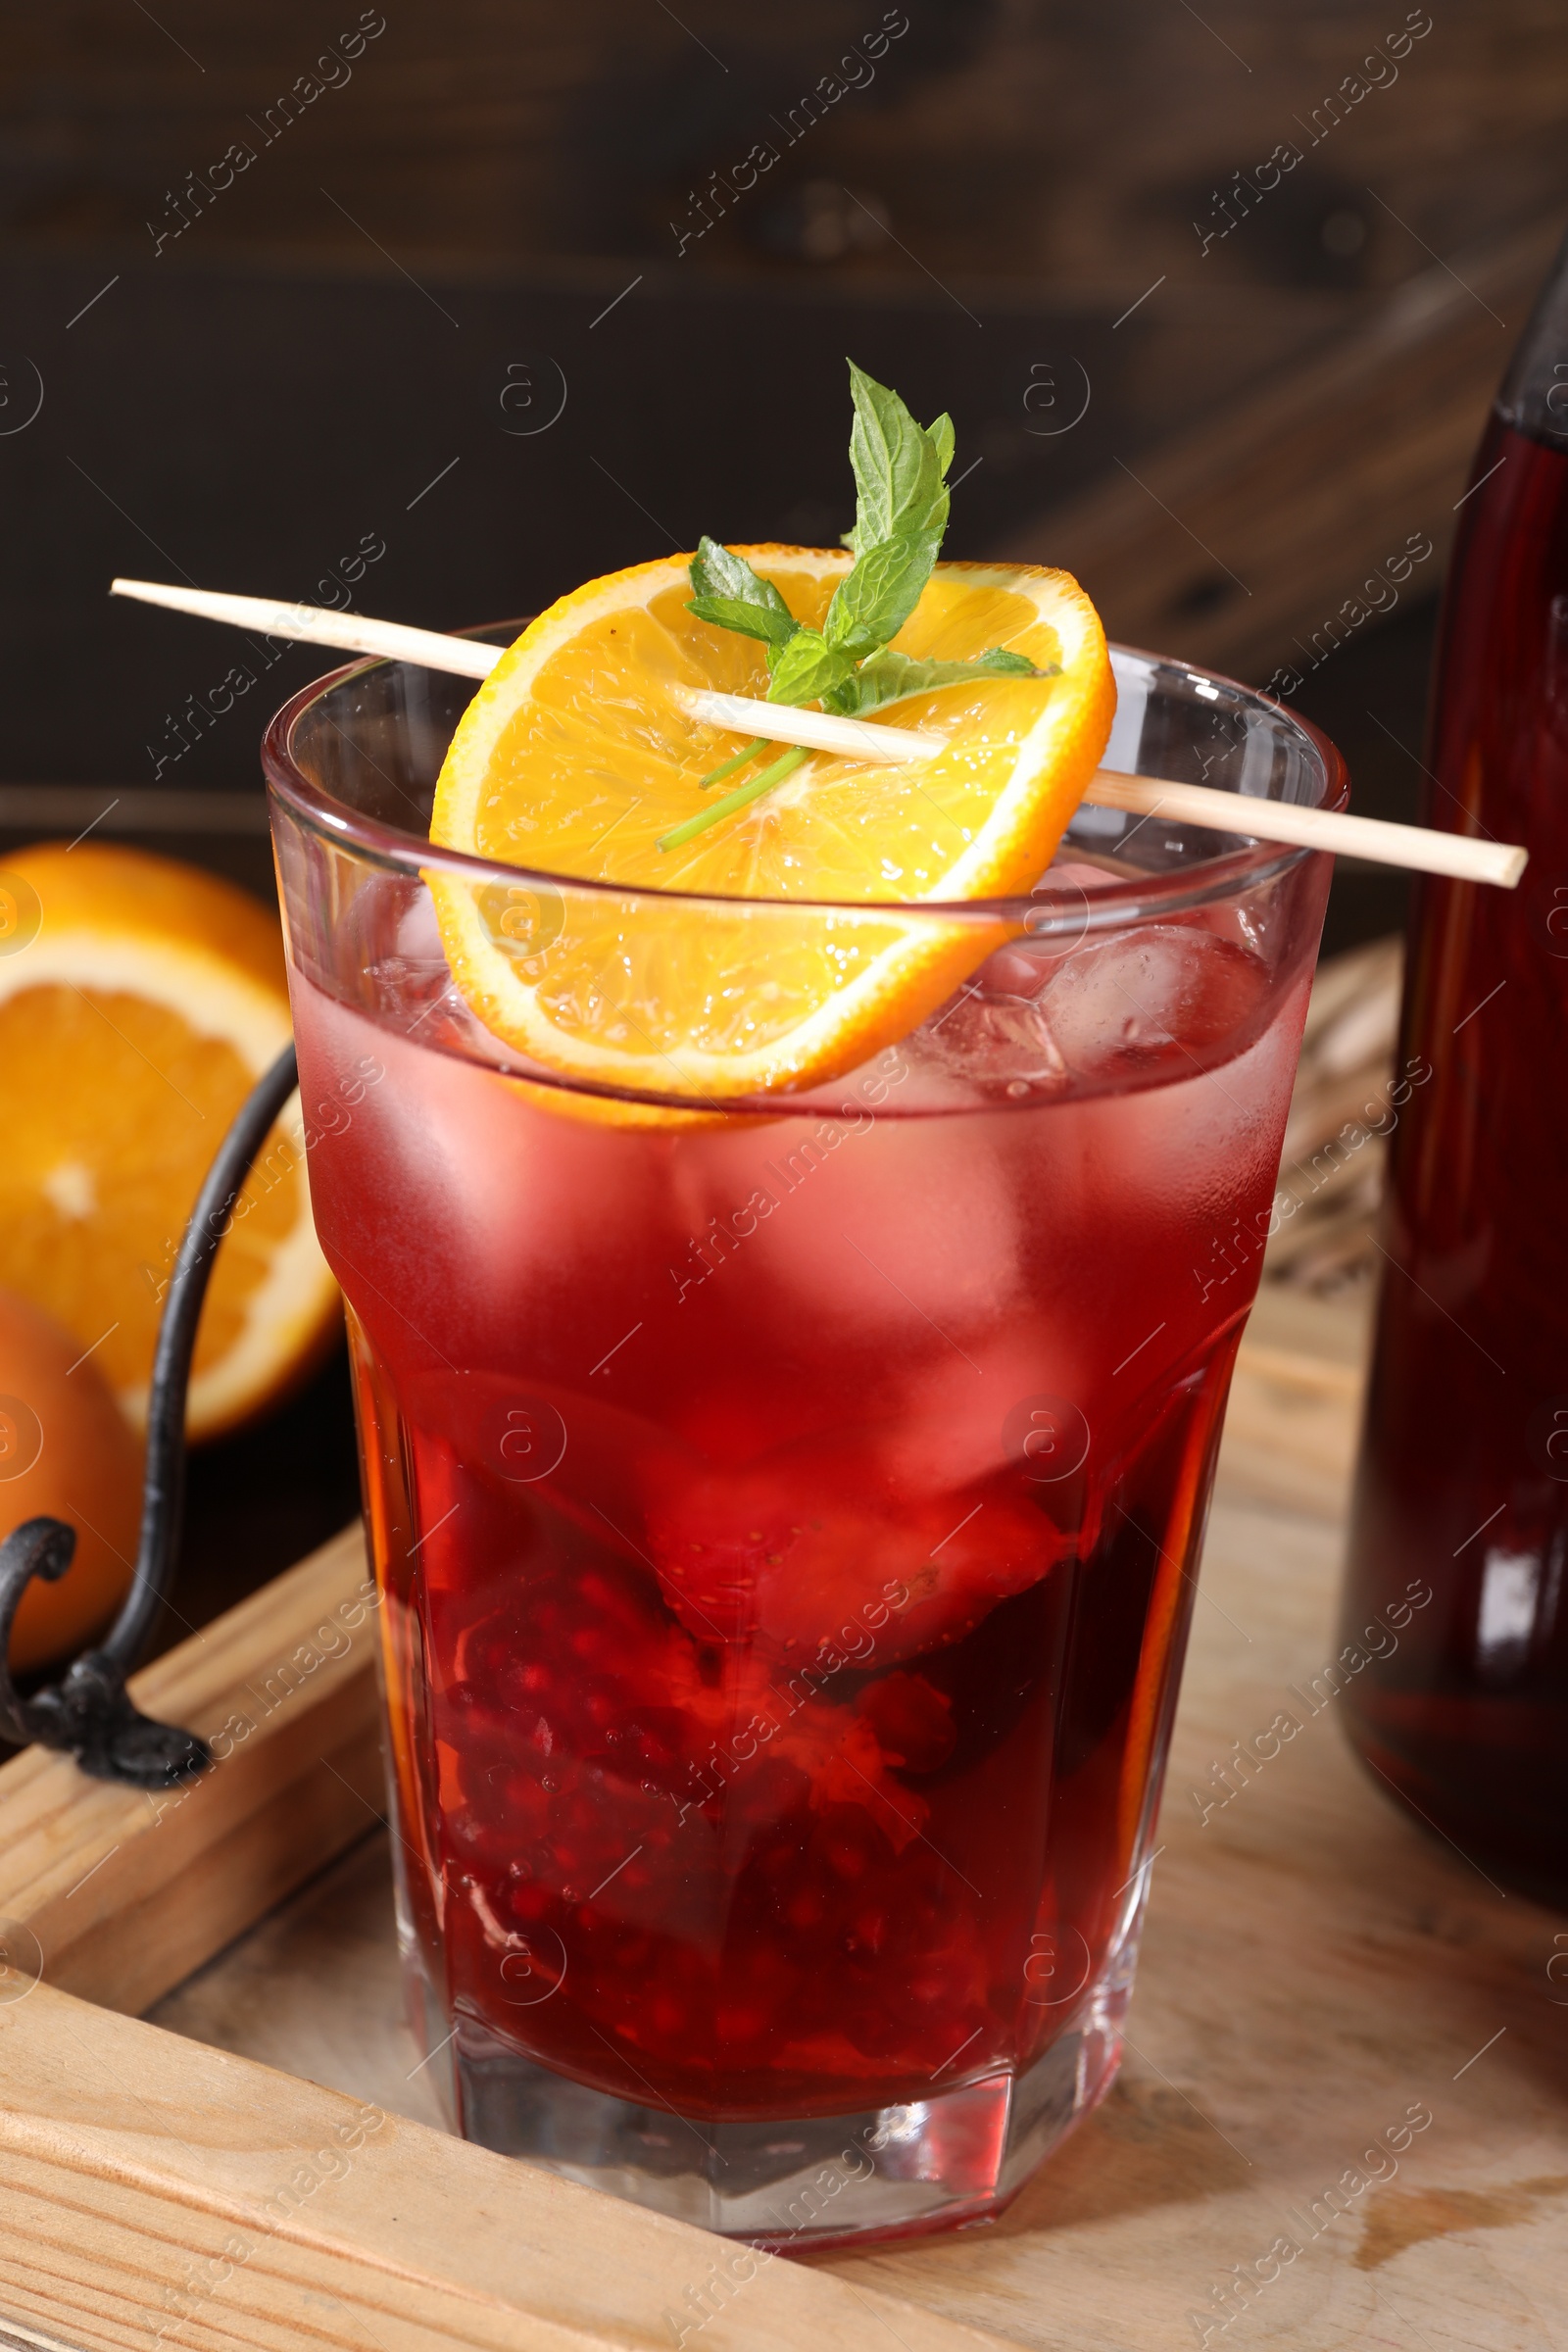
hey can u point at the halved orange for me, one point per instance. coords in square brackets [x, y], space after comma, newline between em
[67, 1450]
[133, 1026]
[578, 755]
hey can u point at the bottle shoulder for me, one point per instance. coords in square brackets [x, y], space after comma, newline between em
[1533, 396]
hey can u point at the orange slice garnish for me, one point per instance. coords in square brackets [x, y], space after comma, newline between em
[578, 755]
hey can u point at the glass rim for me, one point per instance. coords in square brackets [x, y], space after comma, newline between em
[1042, 911]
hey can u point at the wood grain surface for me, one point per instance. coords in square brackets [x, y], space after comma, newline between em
[151, 2189]
[1294, 1410]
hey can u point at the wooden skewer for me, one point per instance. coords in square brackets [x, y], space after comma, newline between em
[818, 730]
[1417, 847]
[319, 624]
[1413, 847]
[1288, 822]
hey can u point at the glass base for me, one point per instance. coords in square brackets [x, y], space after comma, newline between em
[786, 2184]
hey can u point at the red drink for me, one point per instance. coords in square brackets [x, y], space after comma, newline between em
[787, 1525]
[1463, 1490]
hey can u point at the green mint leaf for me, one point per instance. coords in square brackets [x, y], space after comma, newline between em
[715, 572]
[890, 677]
[901, 516]
[872, 603]
[898, 466]
[727, 592]
[808, 667]
[750, 620]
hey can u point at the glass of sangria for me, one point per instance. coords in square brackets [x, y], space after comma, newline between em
[786, 1515]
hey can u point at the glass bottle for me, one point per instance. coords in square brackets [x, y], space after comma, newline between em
[1455, 1629]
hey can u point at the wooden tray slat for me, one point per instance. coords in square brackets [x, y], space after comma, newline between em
[153, 2188]
[125, 1891]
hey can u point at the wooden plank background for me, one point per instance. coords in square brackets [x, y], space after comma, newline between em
[1006, 140]
[1309, 386]
[1259, 541]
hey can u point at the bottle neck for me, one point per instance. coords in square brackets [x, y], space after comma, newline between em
[1534, 397]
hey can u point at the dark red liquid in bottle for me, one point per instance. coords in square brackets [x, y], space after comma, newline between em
[1456, 1599]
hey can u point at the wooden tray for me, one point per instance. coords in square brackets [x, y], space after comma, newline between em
[1320, 1980]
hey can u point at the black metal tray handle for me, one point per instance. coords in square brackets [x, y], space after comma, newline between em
[89, 1712]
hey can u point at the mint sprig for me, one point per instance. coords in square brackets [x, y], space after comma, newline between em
[901, 516]
[726, 591]
[899, 469]
[848, 665]
[890, 677]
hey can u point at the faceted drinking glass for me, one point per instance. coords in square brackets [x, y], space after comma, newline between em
[785, 1515]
